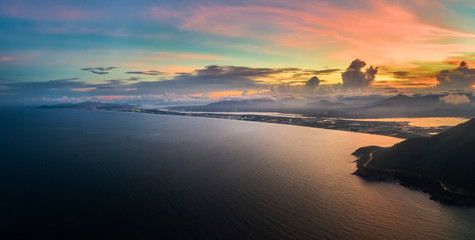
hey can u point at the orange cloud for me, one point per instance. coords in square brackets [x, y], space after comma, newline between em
[83, 89]
[417, 82]
[234, 93]
[383, 32]
[180, 69]
[225, 94]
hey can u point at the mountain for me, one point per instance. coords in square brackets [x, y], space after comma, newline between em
[372, 106]
[324, 104]
[259, 104]
[443, 165]
[418, 106]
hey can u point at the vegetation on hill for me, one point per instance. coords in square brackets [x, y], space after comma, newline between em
[448, 156]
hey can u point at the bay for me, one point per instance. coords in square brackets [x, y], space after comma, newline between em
[98, 174]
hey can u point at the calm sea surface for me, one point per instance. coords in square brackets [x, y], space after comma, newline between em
[421, 122]
[96, 174]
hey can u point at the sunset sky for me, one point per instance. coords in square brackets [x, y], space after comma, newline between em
[203, 50]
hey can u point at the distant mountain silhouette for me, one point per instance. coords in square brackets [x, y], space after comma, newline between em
[447, 158]
[417, 106]
[324, 104]
[258, 104]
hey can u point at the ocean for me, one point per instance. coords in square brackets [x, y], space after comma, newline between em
[102, 174]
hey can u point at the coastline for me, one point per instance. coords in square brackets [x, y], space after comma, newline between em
[391, 129]
[436, 188]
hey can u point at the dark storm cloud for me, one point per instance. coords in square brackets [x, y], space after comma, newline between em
[151, 72]
[354, 77]
[462, 77]
[98, 70]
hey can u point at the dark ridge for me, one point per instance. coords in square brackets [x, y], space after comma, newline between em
[443, 165]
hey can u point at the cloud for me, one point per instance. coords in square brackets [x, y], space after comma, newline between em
[455, 99]
[213, 78]
[312, 82]
[326, 71]
[380, 28]
[401, 74]
[207, 80]
[244, 81]
[462, 77]
[149, 72]
[371, 74]
[71, 87]
[216, 77]
[354, 77]
[98, 70]
[85, 89]
[65, 83]
[238, 71]
[6, 59]
[308, 72]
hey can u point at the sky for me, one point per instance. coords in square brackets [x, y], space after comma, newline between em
[185, 51]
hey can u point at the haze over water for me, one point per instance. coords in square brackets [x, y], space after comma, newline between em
[72, 173]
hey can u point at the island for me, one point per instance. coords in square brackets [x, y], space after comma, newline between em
[442, 165]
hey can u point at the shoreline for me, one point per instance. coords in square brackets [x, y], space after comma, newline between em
[383, 128]
[436, 188]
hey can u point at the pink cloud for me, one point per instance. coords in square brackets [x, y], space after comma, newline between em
[180, 69]
[83, 89]
[160, 13]
[6, 59]
[382, 31]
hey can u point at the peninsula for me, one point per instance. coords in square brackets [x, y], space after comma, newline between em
[442, 165]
